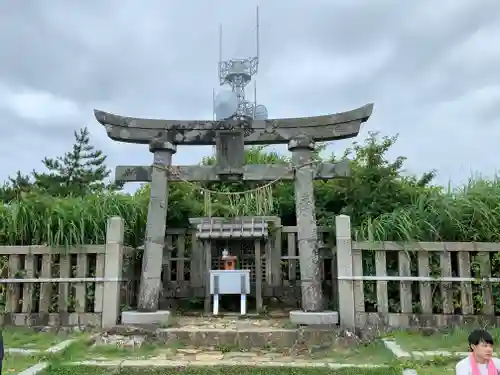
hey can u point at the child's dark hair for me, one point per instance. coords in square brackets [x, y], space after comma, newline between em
[479, 336]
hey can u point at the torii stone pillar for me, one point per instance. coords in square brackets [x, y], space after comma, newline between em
[155, 230]
[307, 235]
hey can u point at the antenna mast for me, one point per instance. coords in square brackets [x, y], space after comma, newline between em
[237, 73]
[220, 44]
[257, 32]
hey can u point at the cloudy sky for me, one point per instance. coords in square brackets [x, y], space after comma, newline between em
[432, 68]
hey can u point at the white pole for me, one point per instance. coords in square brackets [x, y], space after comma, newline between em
[216, 304]
[243, 305]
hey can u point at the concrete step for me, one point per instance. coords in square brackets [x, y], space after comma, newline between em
[245, 338]
[233, 332]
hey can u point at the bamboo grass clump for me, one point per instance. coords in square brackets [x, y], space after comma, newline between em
[468, 213]
[45, 220]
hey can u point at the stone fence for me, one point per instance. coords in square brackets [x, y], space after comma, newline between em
[397, 284]
[415, 284]
[40, 285]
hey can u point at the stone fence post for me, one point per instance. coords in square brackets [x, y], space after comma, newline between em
[347, 315]
[112, 272]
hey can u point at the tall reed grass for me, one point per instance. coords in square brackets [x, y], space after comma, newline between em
[44, 220]
[468, 213]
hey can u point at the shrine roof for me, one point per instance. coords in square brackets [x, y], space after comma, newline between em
[231, 228]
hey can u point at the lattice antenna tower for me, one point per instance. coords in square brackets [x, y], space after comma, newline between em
[238, 73]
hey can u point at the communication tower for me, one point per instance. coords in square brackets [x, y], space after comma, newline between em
[237, 73]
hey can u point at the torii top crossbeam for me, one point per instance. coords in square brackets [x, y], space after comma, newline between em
[256, 132]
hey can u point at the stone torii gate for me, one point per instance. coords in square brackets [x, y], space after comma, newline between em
[230, 137]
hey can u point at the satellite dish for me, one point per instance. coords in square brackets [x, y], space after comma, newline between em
[225, 105]
[260, 112]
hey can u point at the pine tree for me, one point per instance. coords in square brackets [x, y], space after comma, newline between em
[15, 187]
[79, 172]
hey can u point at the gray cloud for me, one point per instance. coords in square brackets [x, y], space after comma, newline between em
[431, 68]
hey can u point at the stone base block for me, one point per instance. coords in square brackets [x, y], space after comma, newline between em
[314, 318]
[246, 339]
[139, 317]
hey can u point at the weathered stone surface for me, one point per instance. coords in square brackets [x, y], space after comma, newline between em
[244, 339]
[307, 236]
[35, 369]
[61, 346]
[188, 351]
[246, 355]
[212, 340]
[131, 341]
[234, 322]
[22, 351]
[155, 229]
[320, 128]
[209, 356]
[314, 318]
[428, 322]
[230, 154]
[52, 320]
[257, 362]
[145, 317]
[302, 141]
[159, 144]
[251, 172]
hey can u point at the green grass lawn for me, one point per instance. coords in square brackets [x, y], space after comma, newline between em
[436, 370]
[27, 338]
[237, 370]
[438, 366]
[453, 340]
[15, 363]
[81, 350]
[373, 353]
